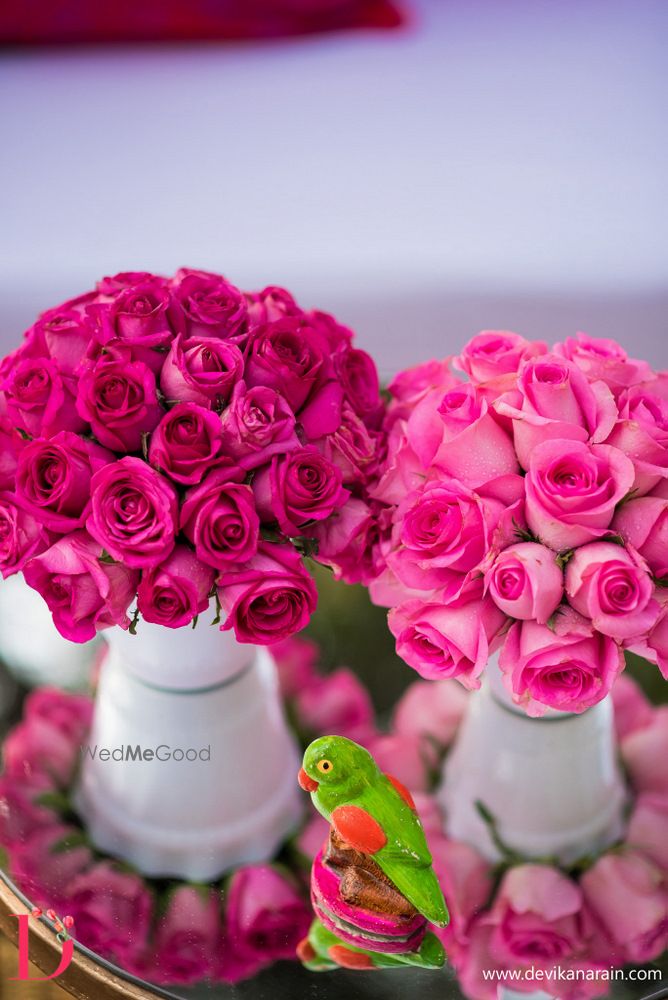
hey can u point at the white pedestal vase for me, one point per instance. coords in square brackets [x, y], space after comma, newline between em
[553, 784]
[215, 783]
[31, 646]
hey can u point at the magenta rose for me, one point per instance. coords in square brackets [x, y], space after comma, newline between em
[495, 353]
[440, 641]
[648, 828]
[553, 399]
[21, 813]
[39, 398]
[572, 490]
[45, 864]
[207, 305]
[296, 660]
[53, 479]
[288, 355]
[526, 582]
[352, 447]
[539, 919]
[176, 591]
[642, 434]
[612, 586]
[71, 714]
[335, 703]
[269, 598]
[270, 304]
[298, 488]
[186, 444]
[38, 753]
[187, 936]
[11, 445]
[359, 377]
[643, 523]
[201, 370]
[464, 440]
[134, 513]
[346, 541]
[628, 895]
[113, 284]
[220, 519]
[257, 425]
[84, 591]
[118, 397]
[431, 711]
[442, 531]
[65, 333]
[265, 916]
[569, 669]
[137, 316]
[337, 335]
[21, 536]
[112, 911]
[604, 360]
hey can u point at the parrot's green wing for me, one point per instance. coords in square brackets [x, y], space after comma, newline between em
[405, 858]
[430, 954]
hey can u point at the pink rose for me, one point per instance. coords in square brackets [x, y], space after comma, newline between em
[11, 444]
[36, 750]
[633, 710]
[65, 332]
[220, 519]
[644, 752]
[45, 864]
[71, 714]
[269, 598]
[176, 591]
[612, 586]
[187, 936]
[297, 489]
[111, 285]
[526, 582]
[84, 592]
[648, 828]
[337, 336]
[403, 757]
[256, 425]
[413, 384]
[457, 433]
[271, 304]
[553, 399]
[336, 703]
[440, 641]
[629, 896]
[346, 541]
[118, 398]
[442, 532]
[466, 880]
[288, 355]
[569, 669]
[112, 911]
[604, 360]
[201, 370]
[186, 443]
[655, 648]
[134, 512]
[359, 377]
[352, 447]
[539, 919]
[572, 490]
[296, 659]
[21, 536]
[266, 916]
[642, 434]
[495, 353]
[38, 397]
[643, 523]
[53, 479]
[21, 813]
[402, 471]
[137, 316]
[207, 305]
[432, 711]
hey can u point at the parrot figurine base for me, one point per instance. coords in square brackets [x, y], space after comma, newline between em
[373, 888]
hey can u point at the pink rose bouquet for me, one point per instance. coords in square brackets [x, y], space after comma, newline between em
[177, 441]
[521, 506]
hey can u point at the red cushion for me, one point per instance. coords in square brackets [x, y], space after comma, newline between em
[82, 21]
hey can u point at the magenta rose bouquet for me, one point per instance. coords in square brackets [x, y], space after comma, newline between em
[522, 506]
[167, 442]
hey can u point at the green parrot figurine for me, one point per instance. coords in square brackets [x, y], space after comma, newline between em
[374, 814]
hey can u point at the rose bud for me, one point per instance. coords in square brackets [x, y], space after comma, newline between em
[526, 582]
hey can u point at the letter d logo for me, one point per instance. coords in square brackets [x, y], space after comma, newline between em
[24, 947]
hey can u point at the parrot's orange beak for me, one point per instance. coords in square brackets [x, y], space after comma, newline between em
[308, 784]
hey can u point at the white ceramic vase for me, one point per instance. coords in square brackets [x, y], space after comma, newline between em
[30, 645]
[215, 785]
[553, 784]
